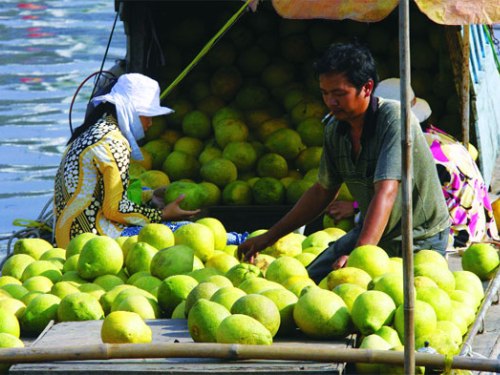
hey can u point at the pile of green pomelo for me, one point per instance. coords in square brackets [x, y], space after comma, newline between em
[194, 274]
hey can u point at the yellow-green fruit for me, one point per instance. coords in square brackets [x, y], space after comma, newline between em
[257, 285]
[481, 259]
[222, 262]
[268, 191]
[108, 282]
[122, 327]
[283, 268]
[38, 283]
[345, 224]
[63, 288]
[157, 235]
[38, 313]
[9, 341]
[243, 329]
[100, 256]
[179, 165]
[438, 299]
[149, 284]
[348, 292]
[173, 290]
[374, 342]
[138, 304]
[350, 275]
[305, 258]
[220, 280]
[260, 308]
[285, 142]
[28, 297]
[6, 280]
[319, 239]
[33, 247]
[180, 311]
[272, 165]
[188, 145]
[288, 245]
[79, 307]
[134, 291]
[263, 261]
[452, 329]
[371, 310]
[204, 318]
[17, 291]
[42, 268]
[14, 265]
[430, 256]
[204, 290]
[443, 277]
[54, 253]
[9, 323]
[170, 261]
[296, 284]
[425, 320]
[237, 193]
[202, 274]
[107, 299]
[75, 245]
[218, 230]
[308, 161]
[209, 153]
[240, 272]
[285, 302]
[212, 193]
[198, 237]
[335, 233]
[370, 258]
[322, 314]
[154, 179]
[469, 282]
[92, 289]
[242, 154]
[227, 296]
[139, 257]
[439, 340]
[194, 195]
[391, 284]
[12, 305]
[219, 171]
[196, 124]
[390, 335]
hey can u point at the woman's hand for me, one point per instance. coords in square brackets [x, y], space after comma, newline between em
[158, 200]
[252, 246]
[340, 209]
[173, 211]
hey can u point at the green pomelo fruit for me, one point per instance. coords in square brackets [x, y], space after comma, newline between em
[305, 258]
[15, 265]
[289, 245]
[63, 288]
[204, 290]
[242, 154]
[390, 335]
[198, 237]
[392, 285]
[173, 260]
[469, 282]
[42, 268]
[157, 235]
[196, 124]
[132, 278]
[438, 299]
[371, 310]
[240, 272]
[202, 274]
[189, 145]
[464, 297]
[173, 290]
[108, 282]
[6, 280]
[441, 341]
[443, 277]
[33, 247]
[73, 276]
[243, 329]
[318, 239]
[425, 320]
[481, 259]
[237, 193]
[260, 308]
[76, 244]
[285, 302]
[285, 267]
[212, 193]
[370, 258]
[92, 289]
[38, 283]
[106, 300]
[218, 230]
[423, 281]
[79, 307]
[204, 318]
[227, 296]
[296, 284]
[148, 283]
[322, 314]
[121, 327]
[38, 313]
[374, 342]
[100, 256]
[430, 256]
[13, 306]
[285, 142]
[17, 291]
[268, 191]
[351, 275]
[179, 165]
[180, 311]
[138, 304]
[219, 280]
[219, 171]
[311, 131]
[308, 161]
[257, 285]
[9, 323]
[139, 257]
[8, 341]
[272, 165]
[451, 329]
[348, 292]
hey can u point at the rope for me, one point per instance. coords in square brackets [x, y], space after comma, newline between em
[492, 44]
[206, 48]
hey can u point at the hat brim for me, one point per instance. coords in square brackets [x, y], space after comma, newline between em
[158, 111]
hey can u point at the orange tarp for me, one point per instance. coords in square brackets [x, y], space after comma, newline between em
[446, 12]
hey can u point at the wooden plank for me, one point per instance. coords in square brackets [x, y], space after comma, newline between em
[165, 331]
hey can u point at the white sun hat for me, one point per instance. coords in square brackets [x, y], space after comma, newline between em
[134, 95]
[389, 89]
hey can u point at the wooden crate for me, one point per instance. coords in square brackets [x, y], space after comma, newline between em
[164, 331]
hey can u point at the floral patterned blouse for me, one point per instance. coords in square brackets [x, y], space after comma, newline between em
[464, 189]
[91, 186]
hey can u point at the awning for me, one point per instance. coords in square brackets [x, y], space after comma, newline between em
[446, 12]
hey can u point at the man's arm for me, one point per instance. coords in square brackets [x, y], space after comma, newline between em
[310, 205]
[378, 213]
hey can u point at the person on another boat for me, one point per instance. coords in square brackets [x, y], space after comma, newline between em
[362, 147]
[91, 183]
[463, 186]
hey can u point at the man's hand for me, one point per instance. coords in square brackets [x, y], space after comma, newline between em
[248, 249]
[340, 262]
[340, 210]
[173, 211]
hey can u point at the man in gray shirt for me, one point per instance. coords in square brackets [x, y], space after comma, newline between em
[362, 147]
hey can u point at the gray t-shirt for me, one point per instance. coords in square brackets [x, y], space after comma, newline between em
[380, 159]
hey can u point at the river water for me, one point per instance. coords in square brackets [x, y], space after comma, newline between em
[47, 49]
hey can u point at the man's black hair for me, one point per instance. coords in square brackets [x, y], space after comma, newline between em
[353, 60]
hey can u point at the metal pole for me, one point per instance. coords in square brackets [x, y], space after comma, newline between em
[407, 168]
[465, 86]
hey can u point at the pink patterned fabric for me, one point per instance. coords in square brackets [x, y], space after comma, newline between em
[464, 189]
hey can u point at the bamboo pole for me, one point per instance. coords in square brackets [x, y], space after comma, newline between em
[297, 352]
[407, 168]
[465, 86]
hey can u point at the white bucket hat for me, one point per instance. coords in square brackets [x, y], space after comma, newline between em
[389, 89]
[134, 95]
